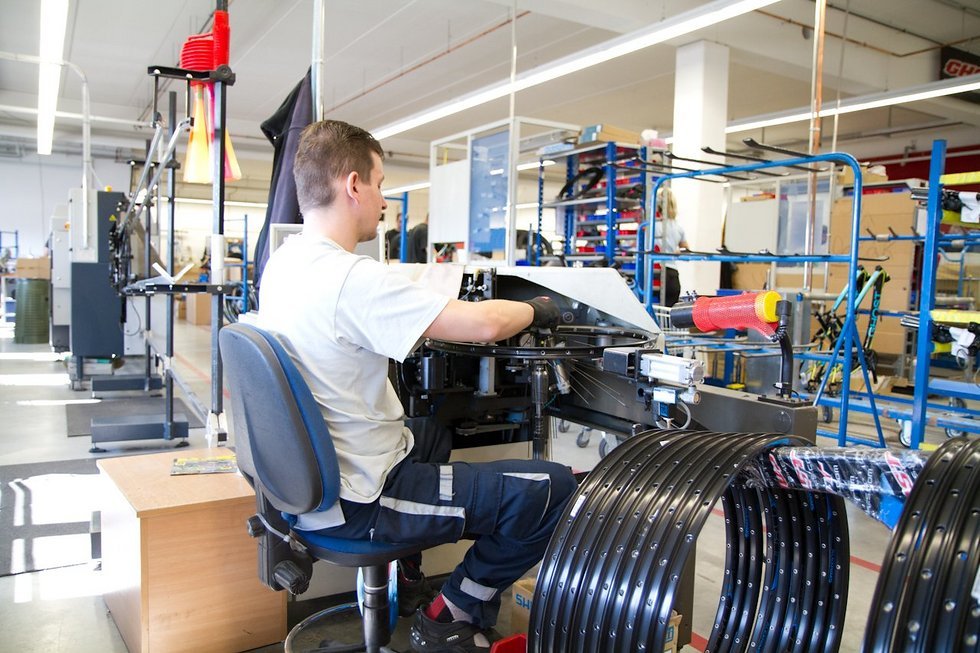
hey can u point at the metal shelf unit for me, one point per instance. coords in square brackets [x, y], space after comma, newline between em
[916, 411]
[849, 340]
[5, 237]
[14, 253]
[933, 242]
[232, 298]
[593, 227]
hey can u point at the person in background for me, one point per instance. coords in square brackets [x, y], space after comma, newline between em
[393, 238]
[342, 317]
[669, 236]
[418, 242]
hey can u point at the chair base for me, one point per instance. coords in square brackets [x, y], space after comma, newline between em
[375, 616]
[326, 646]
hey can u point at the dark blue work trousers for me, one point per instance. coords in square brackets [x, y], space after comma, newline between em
[509, 507]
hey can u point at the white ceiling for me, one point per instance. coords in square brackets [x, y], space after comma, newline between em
[386, 60]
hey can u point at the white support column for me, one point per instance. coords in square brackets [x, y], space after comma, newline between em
[700, 115]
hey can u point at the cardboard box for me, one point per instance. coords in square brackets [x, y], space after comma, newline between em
[846, 176]
[234, 270]
[199, 308]
[878, 213]
[608, 133]
[670, 645]
[520, 610]
[33, 268]
[750, 276]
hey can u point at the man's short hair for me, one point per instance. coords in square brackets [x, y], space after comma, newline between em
[330, 150]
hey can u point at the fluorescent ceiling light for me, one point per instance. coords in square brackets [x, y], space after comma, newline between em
[672, 28]
[54, 22]
[194, 200]
[918, 93]
[530, 165]
[398, 190]
[534, 165]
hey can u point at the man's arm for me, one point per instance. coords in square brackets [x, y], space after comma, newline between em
[491, 320]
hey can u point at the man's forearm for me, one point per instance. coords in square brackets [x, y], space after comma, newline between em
[487, 321]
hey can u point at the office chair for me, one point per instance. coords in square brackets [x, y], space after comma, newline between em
[284, 449]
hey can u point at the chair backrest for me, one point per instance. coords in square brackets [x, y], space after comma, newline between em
[282, 442]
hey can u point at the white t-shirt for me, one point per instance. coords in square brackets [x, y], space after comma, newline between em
[344, 316]
[669, 234]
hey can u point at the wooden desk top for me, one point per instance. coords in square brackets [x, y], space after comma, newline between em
[149, 488]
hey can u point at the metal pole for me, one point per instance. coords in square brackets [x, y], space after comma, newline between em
[168, 380]
[513, 144]
[540, 443]
[927, 289]
[217, 300]
[148, 159]
[147, 273]
[403, 232]
[816, 101]
[316, 77]
[86, 147]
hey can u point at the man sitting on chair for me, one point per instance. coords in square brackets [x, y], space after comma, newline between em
[342, 317]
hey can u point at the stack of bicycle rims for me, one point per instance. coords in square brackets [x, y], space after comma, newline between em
[611, 573]
[928, 593]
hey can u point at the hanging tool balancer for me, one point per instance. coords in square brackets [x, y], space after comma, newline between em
[765, 312]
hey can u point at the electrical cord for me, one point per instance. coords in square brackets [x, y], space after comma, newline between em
[139, 320]
[684, 408]
[589, 178]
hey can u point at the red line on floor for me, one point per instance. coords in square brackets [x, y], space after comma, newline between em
[860, 562]
[698, 642]
[201, 375]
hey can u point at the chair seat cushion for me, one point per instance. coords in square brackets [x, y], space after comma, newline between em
[356, 553]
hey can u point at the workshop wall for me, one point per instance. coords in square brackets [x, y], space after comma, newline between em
[31, 186]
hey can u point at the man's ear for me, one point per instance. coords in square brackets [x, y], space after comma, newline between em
[351, 185]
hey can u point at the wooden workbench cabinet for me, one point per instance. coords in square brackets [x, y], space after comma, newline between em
[178, 565]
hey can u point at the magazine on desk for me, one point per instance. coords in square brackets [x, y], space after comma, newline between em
[222, 464]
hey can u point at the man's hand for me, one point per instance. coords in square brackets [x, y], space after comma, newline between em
[547, 315]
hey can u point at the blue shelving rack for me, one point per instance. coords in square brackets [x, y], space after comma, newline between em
[403, 227]
[932, 245]
[612, 247]
[849, 340]
[243, 299]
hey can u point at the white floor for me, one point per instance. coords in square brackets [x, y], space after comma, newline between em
[61, 609]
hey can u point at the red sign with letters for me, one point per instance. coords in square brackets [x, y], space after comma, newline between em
[959, 63]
